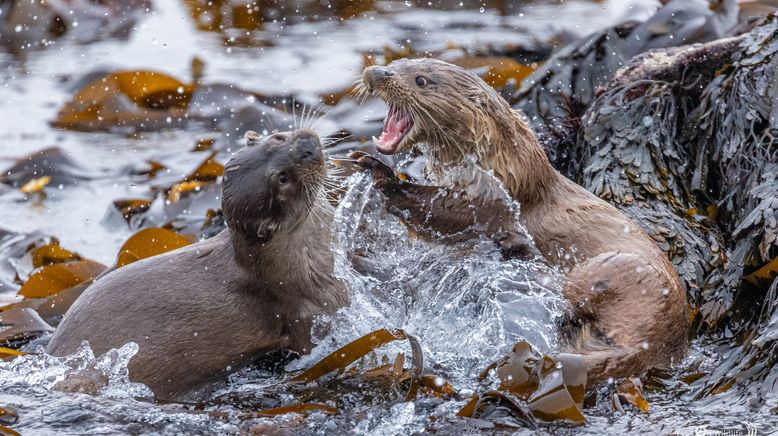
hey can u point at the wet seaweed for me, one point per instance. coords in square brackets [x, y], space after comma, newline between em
[735, 128]
[633, 156]
[750, 370]
[569, 81]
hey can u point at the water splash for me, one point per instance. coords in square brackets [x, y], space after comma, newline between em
[107, 372]
[465, 304]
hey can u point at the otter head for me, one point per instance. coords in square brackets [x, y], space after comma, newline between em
[270, 185]
[433, 102]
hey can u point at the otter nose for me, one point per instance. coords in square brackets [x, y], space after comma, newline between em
[375, 74]
[308, 147]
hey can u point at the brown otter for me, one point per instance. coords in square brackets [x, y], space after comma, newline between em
[205, 310]
[630, 310]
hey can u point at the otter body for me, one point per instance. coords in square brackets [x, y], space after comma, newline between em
[629, 308]
[205, 310]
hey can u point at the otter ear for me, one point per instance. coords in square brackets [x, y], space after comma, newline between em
[252, 138]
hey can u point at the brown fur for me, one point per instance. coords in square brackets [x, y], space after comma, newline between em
[627, 298]
[205, 310]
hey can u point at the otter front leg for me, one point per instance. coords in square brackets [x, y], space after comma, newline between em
[436, 212]
[628, 315]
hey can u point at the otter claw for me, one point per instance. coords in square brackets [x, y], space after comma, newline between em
[356, 154]
[377, 168]
[382, 173]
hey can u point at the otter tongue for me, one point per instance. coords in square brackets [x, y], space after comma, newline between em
[395, 128]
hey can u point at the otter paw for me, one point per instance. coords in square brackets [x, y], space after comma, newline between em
[383, 174]
[515, 245]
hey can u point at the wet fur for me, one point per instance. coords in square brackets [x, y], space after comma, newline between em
[208, 309]
[629, 310]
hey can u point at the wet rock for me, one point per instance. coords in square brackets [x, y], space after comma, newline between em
[50, 162]
[630, 152]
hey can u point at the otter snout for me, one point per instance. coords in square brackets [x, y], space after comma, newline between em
[308, 147]
[375, 75]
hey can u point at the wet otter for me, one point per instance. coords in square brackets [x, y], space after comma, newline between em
[630, 311]
[203, 311]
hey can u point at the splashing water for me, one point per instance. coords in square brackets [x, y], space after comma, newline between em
[108, 372]
[465, 305]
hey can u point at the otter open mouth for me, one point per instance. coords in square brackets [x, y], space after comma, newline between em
[396, 127]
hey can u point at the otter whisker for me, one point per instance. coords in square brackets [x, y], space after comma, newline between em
[303, 114]
[333, 186]
[331, 143]
[315, 211]
[294, 113]
[309, 118]
[313, 121]
[342, 158]
[307, 114]
[269, 122]
[360, 91]
[335, 172]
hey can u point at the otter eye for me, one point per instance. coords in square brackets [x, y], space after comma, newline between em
[283, 178]
[421, 81]
[263, 234]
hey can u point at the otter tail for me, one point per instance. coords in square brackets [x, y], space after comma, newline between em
[603, 360]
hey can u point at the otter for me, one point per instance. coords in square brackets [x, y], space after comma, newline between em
[208, 309]
[629, 310]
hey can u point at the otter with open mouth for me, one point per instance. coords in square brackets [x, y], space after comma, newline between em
[630, 311]
[208, 309]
